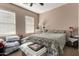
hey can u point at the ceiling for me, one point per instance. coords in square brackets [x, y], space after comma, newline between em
[37, 8]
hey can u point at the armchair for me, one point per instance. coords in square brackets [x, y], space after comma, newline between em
[11, 44]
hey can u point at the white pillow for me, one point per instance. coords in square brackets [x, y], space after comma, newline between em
[12, 38]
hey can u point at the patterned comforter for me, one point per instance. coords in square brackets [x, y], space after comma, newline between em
[52, 42]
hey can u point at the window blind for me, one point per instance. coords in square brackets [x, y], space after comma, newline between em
[7, 22]
[29, 24]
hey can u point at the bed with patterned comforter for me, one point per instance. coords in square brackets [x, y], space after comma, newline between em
[54, 42]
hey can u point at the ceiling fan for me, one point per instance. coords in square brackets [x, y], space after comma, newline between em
[31, 4]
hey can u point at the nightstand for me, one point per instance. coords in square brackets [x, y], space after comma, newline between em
[72, 42]
[76, 36]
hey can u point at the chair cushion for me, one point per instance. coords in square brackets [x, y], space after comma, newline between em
[11, 44]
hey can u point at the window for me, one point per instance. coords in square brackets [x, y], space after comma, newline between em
[7, 22]
[29, 24]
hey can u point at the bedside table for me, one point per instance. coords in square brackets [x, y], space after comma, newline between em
[72, 42]
[76, 36]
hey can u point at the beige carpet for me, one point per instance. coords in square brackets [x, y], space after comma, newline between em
[68, 51]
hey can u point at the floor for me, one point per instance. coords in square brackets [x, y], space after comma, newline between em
[68, 51]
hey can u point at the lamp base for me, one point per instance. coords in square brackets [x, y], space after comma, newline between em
[71, 36]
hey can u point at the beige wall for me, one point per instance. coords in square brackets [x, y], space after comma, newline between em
[20, 16]
[78, 19]
[61, 18]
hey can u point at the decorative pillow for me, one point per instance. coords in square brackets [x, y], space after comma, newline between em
[11, 38]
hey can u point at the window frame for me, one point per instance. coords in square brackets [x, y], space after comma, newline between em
[13, 24]
[30, 24]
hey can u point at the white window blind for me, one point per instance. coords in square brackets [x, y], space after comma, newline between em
[29, 24]
[7, 22]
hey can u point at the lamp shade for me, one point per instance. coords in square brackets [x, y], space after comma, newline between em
[71, 29]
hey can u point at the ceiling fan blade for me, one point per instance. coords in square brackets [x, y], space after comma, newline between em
[31, 4]
[41, 4]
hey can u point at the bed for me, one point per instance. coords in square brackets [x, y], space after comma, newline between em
[54, 42]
